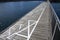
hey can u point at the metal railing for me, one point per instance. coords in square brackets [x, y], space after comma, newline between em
[35, 22]
[57, 23]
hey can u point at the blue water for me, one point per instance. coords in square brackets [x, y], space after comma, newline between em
[56, 7]
[12, 11]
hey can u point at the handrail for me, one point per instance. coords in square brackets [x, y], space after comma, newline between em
[56, 17]
[57, 20]
[28, 27]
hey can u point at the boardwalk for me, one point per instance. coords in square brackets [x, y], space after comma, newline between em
[43, 30]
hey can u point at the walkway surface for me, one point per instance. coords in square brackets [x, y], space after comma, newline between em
[42, 30]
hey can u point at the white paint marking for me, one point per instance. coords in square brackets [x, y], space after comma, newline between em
[37, 22]
[21, 35]
[20, 26]
[20, 30]
[28, 27]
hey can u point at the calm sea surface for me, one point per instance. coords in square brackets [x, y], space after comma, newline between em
[56, 7]
[12, 11]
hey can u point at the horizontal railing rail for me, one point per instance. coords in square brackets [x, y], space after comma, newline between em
[57, 24]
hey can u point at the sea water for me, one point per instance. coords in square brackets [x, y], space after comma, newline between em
[12, 11]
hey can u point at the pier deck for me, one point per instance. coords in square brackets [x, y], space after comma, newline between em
[43, 30]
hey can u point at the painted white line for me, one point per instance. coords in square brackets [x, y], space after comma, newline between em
[20, 30]
[37, 22]
[20, 26]
[28, 27]
[24, 28]
[10, 36]
[21, 35]
[9, 31]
